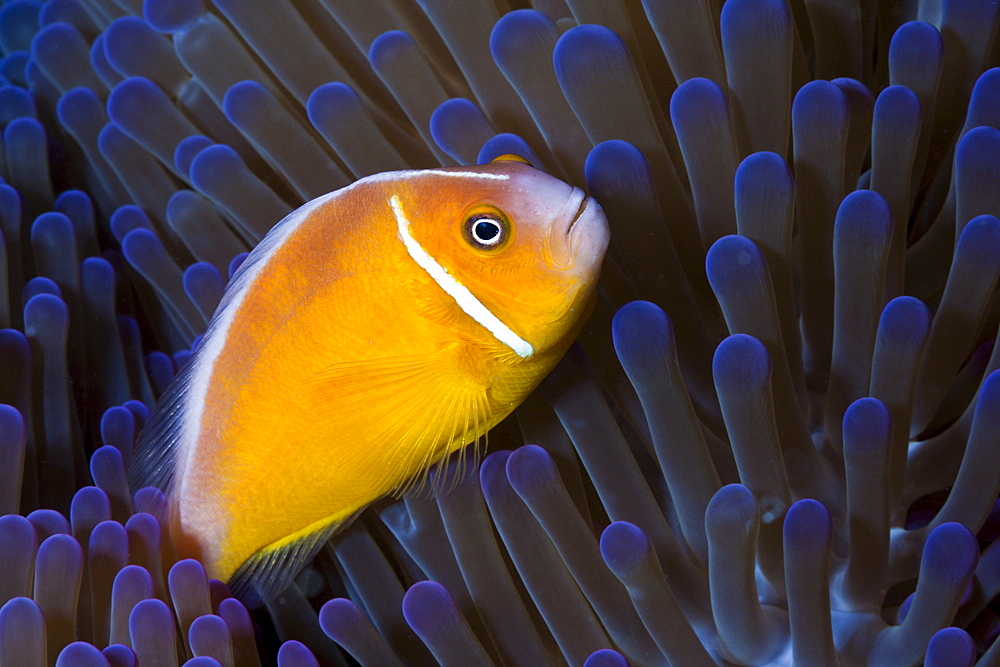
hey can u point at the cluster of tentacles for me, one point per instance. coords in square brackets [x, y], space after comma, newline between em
[775, 443]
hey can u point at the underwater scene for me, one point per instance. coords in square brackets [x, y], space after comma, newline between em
[774, 441]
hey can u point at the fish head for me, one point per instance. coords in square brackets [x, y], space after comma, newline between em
[526, 245]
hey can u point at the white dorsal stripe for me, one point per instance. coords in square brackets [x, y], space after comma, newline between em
[463, 174]
[465, 299]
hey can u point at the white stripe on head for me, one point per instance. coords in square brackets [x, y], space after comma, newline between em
[465, 299]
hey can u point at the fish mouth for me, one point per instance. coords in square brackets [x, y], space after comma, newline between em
[584, 236]
[581, 208]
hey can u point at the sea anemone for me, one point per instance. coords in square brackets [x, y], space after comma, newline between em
[775, 442]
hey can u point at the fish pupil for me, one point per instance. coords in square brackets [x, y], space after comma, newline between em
[486, 231]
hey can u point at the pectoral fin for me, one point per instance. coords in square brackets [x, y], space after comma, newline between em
[407, 412]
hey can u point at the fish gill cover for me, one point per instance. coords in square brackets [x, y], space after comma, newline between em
[775, 442]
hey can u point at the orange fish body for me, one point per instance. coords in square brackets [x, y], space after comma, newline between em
[372, 332]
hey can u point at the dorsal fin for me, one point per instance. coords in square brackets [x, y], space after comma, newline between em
[156, 448]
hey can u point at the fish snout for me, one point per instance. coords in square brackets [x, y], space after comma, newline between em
[580, 236]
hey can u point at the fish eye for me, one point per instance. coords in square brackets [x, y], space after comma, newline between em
[486, 231]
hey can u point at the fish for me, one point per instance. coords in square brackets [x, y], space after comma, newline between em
[372, 332]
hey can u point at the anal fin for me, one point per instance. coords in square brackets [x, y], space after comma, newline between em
[267, 573]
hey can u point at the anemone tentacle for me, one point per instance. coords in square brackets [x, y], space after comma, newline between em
[773, 445]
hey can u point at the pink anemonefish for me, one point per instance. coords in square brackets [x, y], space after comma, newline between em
[373, 331]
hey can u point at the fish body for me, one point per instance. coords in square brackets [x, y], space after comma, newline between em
[374, 331]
